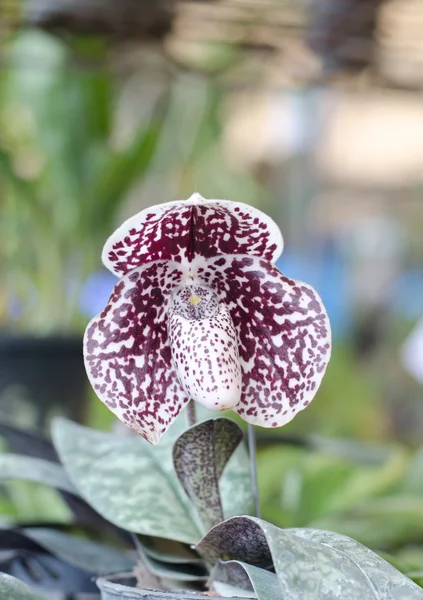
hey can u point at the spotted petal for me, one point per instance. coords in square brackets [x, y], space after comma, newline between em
[180, 230]
[283, 332]
[205, 355]
[127, 355]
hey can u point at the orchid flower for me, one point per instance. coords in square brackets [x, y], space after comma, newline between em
[200, 312]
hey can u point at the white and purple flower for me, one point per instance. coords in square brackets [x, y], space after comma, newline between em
[201, 313]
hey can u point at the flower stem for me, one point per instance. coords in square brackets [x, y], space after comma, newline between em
[191, 413]
[253, 468]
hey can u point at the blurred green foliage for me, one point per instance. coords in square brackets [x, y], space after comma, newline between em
[67, 170]
[62, 178]
[26, 502]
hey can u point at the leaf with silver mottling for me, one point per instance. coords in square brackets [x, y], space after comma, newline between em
[238, 538]
[346, 561]
[15, 466]
[235, 485]
[310, 564]
[80, 552]
[254, 582]
[126, 480]
[14, 589]
[200, 454]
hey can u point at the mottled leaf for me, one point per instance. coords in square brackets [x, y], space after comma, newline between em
[235, 485]
[14, 589]
[310, 564]
[250, 580]
[128, 481]
[14, 466]
[265, 583]
[359, 572]
[232, 573]
[200, 455]
[238, 538]
[80, 552]
[34, 444]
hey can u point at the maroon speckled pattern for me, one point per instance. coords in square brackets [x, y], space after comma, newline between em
[205, 354]
[196, 227]
[228, 330]
[127, 355]
[283, 333]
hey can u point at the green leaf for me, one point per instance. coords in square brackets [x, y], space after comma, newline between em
[301, 488]
[13, 589]
[169, 551]
[15, 466]
[413, 477]
[370, 482]
[264, 583]
[368, 523]
[200, 455]
[53, 99]
[97, 91]
[120, 170]
[128, 481]
[134, 484]
[359, 452]
[37, 503]
[25, 191]
[176, 571]
[347, 558]
[235, 485]
[80, 552]
[238, 538]
[310, 564]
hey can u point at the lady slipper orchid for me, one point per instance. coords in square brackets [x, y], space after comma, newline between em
[201, 313]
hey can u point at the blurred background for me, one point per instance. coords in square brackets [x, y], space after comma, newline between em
[310, 110]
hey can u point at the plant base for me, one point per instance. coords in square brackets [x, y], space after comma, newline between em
[122, 586]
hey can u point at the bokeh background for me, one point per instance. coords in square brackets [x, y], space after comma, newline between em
[310, 110]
